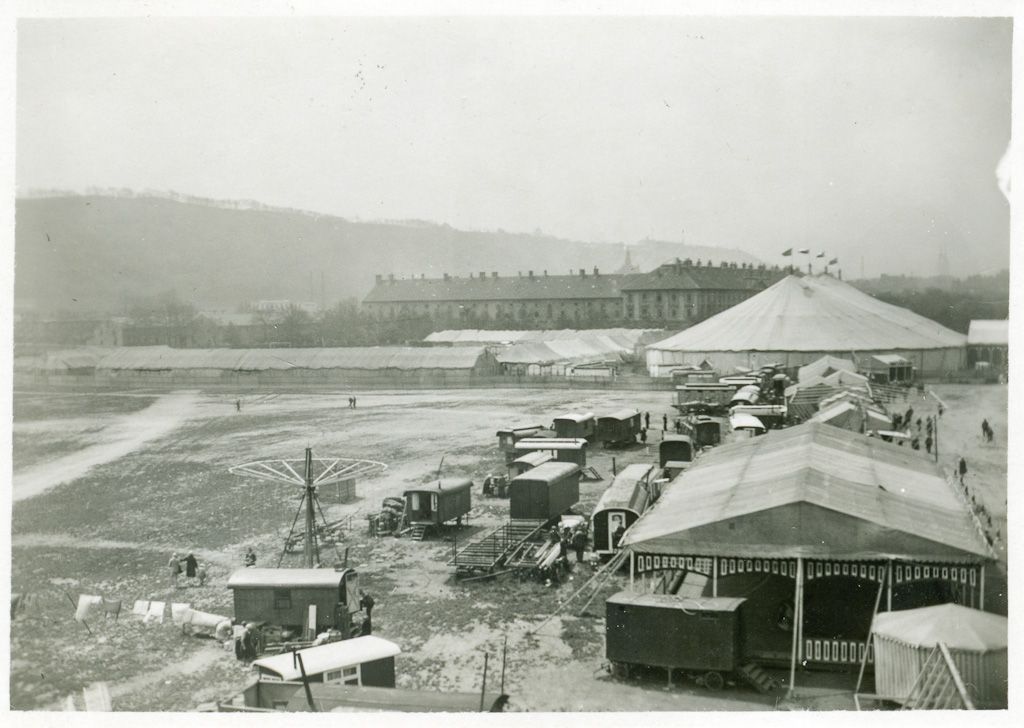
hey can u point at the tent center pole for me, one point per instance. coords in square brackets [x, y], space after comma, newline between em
[714, 576]
[632, 559]
[981, 589]
[796, 617]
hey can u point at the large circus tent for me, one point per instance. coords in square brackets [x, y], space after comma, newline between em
[802, 318]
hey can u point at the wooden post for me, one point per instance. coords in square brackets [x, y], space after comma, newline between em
[796, 607]
[307, 551]
[799, 620]
[888, 579]
[714, 576]
[483, 688]
[632, 559]
[981, 589]
[868, 643]
[504, 657]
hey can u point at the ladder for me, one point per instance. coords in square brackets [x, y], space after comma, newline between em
[590, 473]
[938, 685]
[418, 531]
[593, 586]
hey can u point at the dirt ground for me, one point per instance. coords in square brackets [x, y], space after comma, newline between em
[108, 486]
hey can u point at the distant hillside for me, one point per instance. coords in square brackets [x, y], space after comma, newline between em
[91, 253]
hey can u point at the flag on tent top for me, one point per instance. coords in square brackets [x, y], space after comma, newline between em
[787, 251]
[820, 255]
[804, 250]
[834, 261]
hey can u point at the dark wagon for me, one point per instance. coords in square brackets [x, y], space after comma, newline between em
[620, 505]
[576, 425]
[697, 635]
[283, 597]
[675, 448]
[507, 439]
[434, 504]
[619, 428]
[544, 493]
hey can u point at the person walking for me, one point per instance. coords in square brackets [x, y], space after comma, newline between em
[984, 428]
[190, 567]
[354, 403]
[643, 435]
[579, 543]
[201, 573]
[664, 423]
[647, 420]
[928, 443]
[174, 568]
[238, 405]
[962, 467]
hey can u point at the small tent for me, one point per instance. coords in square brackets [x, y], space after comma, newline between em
[976, 641]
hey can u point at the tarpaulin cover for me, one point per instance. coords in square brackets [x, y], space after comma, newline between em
[812, 313]
[960, 628]
[816, 491]
[824, 366]
[627, 491]
[583, 349]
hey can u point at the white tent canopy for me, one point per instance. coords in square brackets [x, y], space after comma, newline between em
[802, 318]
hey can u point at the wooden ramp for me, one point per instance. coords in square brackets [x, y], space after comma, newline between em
[939, 685]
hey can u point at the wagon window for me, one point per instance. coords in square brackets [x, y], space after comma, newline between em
[282, 599]
[350, 676]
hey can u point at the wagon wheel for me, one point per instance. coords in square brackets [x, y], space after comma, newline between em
[713, 680]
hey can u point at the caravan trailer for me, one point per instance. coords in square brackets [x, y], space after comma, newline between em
[629, 495]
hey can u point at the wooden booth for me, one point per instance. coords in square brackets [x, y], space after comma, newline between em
[818, 527]
[545, 492]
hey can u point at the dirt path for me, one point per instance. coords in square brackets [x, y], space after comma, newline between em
[126, 435]
[53, 539]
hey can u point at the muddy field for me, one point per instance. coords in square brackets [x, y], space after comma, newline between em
[106, 487]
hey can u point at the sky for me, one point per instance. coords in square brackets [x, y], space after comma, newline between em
[872, 139]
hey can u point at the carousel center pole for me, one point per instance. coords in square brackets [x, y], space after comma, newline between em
[307, 550]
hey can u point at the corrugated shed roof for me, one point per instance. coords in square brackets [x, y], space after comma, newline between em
[520, 288]
[862, 478]
[989, 332]
[960, 628]
[503, 336]
[626, 490]
[381, 357]
[812, 313]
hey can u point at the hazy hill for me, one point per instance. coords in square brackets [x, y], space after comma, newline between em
[93, 252]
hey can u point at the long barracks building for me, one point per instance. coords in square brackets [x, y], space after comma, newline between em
[679, 292]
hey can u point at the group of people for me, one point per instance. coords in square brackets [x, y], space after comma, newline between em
[351, 402]
[567, 539]
[195, 571]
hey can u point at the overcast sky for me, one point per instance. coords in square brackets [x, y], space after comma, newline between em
[868, 138]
